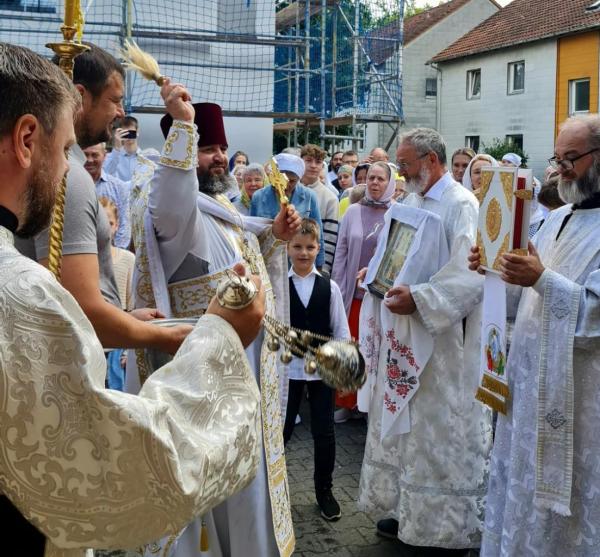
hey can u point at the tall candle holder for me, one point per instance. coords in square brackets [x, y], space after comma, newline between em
[66, 51]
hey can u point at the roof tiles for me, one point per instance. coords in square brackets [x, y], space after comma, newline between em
[523, 21]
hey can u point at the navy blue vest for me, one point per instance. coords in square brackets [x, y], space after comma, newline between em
[316, 316]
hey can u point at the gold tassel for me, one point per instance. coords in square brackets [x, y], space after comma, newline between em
[492, 384]
[490, 400]
[136, 59]
[204, 536]
[55, 235]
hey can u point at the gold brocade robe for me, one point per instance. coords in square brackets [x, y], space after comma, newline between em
[189, 297]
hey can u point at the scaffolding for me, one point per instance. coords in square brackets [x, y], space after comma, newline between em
[351, 57]
[333, 65]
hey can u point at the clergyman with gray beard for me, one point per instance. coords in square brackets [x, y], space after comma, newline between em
[549, 435]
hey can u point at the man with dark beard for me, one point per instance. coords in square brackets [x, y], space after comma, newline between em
[192, 235]
[82, 466]
[544, 489]
[87, 270]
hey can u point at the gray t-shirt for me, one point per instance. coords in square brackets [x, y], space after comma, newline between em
[86, 227]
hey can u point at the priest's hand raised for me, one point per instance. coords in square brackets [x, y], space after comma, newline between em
[247, 321]
[399, 300]
[286, 223]
[523, 270]
[177, 101]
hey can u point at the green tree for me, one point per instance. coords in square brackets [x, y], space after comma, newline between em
[411, 9]
[499, 147]
[314, 136]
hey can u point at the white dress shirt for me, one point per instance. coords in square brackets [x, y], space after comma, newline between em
[337, 315]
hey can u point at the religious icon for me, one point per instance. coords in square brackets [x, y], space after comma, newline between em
[494, 351]
[399, 241]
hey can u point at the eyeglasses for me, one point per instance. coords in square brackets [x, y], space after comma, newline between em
[567, 164]
[405, 165]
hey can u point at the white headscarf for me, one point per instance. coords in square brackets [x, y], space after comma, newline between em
[466, 182]
[290, 163]
[386, 198]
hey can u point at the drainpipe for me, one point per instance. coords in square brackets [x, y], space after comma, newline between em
[438, 101]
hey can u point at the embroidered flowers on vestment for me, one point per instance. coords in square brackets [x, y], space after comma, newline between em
[399, 381]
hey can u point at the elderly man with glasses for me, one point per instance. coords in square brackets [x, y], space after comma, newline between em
[544, 491]
[427, 481]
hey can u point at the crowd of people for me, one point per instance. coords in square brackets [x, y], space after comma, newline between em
[98, 449]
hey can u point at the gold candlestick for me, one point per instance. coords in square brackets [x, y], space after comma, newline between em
[66, 50]
[70, 8]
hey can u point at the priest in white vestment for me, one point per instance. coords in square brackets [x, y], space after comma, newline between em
[544, 492]
[82, 466]
[425, 473]
[191, 236]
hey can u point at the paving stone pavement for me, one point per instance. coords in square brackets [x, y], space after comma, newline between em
[354, 534]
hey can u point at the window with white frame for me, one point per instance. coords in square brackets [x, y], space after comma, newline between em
[474, 84]
[431, 87]
[516, 77]
[472, 142]
[579, 96]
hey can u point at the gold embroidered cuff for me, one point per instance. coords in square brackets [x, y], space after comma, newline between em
[180, 149]
[269, 244]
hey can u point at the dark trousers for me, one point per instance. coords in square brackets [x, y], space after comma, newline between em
[322, 401]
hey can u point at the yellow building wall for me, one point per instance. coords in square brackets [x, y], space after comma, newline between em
[578, 58]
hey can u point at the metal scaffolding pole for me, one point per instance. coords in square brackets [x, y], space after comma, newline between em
[307, 66]
[355, 72]
[297, 77]
[323, 71]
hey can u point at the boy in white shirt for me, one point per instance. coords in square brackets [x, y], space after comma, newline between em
[316, 305]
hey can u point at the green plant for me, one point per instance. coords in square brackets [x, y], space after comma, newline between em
[499, 147]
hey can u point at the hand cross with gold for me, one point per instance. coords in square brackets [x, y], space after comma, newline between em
[279, 181]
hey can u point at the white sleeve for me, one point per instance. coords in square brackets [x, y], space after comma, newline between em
[96, 468]
[172, 201]
[337, 314]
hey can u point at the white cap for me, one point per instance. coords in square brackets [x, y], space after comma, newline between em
[290, 163]
[513, 158]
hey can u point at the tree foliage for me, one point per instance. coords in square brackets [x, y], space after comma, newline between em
[499, 147]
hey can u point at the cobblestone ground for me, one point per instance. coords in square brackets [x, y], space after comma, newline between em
[354, 534]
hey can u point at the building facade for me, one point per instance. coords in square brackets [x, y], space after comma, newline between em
[519, 74]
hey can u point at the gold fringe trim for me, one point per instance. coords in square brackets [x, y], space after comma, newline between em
[495, 385]
[491, 400]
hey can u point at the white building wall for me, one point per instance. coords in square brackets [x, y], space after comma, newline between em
[496, 114]
[233, 89]
[254, 136]
[419, 110]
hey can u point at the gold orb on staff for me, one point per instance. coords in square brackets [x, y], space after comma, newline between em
[66, 51]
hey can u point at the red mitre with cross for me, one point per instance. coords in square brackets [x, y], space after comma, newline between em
[209, 119]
